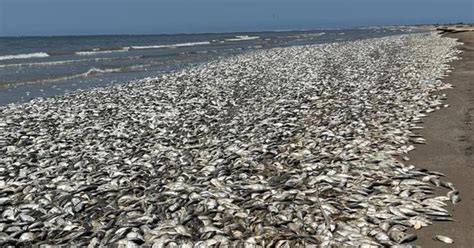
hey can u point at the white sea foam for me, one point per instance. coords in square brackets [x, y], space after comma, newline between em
[24, 56]
[313, 35]
[95, 51]
[243, 37]
[173, 45]
[91, 72]
[64, 62]
[95, 71]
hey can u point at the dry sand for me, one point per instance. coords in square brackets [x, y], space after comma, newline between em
[450, 139]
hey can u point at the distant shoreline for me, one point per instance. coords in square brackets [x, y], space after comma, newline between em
[217, 32]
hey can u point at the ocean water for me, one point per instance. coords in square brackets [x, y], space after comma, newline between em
[47, 66]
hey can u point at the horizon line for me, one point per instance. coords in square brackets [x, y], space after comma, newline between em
[228, 32]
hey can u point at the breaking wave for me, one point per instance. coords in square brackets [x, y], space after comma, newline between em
[173, 45]
[88, 73]
[24, 56]
[243, 37]
[97, 51]
[65, 62]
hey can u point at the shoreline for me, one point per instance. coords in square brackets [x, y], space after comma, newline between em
[223, 135]
[113, 61]
[449, 135]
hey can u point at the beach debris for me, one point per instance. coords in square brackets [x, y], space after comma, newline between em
[454, 196]
[444, 239]
[293, 146]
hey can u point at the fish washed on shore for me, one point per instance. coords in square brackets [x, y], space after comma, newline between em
[286, 147]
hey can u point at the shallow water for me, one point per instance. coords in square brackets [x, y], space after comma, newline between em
[46, 66]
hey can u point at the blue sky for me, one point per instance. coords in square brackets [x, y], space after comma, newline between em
[77, 17]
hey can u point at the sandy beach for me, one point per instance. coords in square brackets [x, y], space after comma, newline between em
[449, 134]
[289, 146]
[200, 124]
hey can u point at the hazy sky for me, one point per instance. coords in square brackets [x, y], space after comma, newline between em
[54, 17]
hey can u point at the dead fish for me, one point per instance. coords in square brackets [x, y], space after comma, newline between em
[418, 141]
[383, 239]
[448, 185]
[399, 236]
[293, 146]
[435, 181]
[454, 196]
[27, 236]
[444, 239]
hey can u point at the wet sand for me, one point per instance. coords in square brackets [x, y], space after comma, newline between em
[450, 135]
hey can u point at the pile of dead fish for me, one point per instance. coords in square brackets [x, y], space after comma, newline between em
[282, 147]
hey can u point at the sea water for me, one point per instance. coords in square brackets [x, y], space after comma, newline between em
[47, 66]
